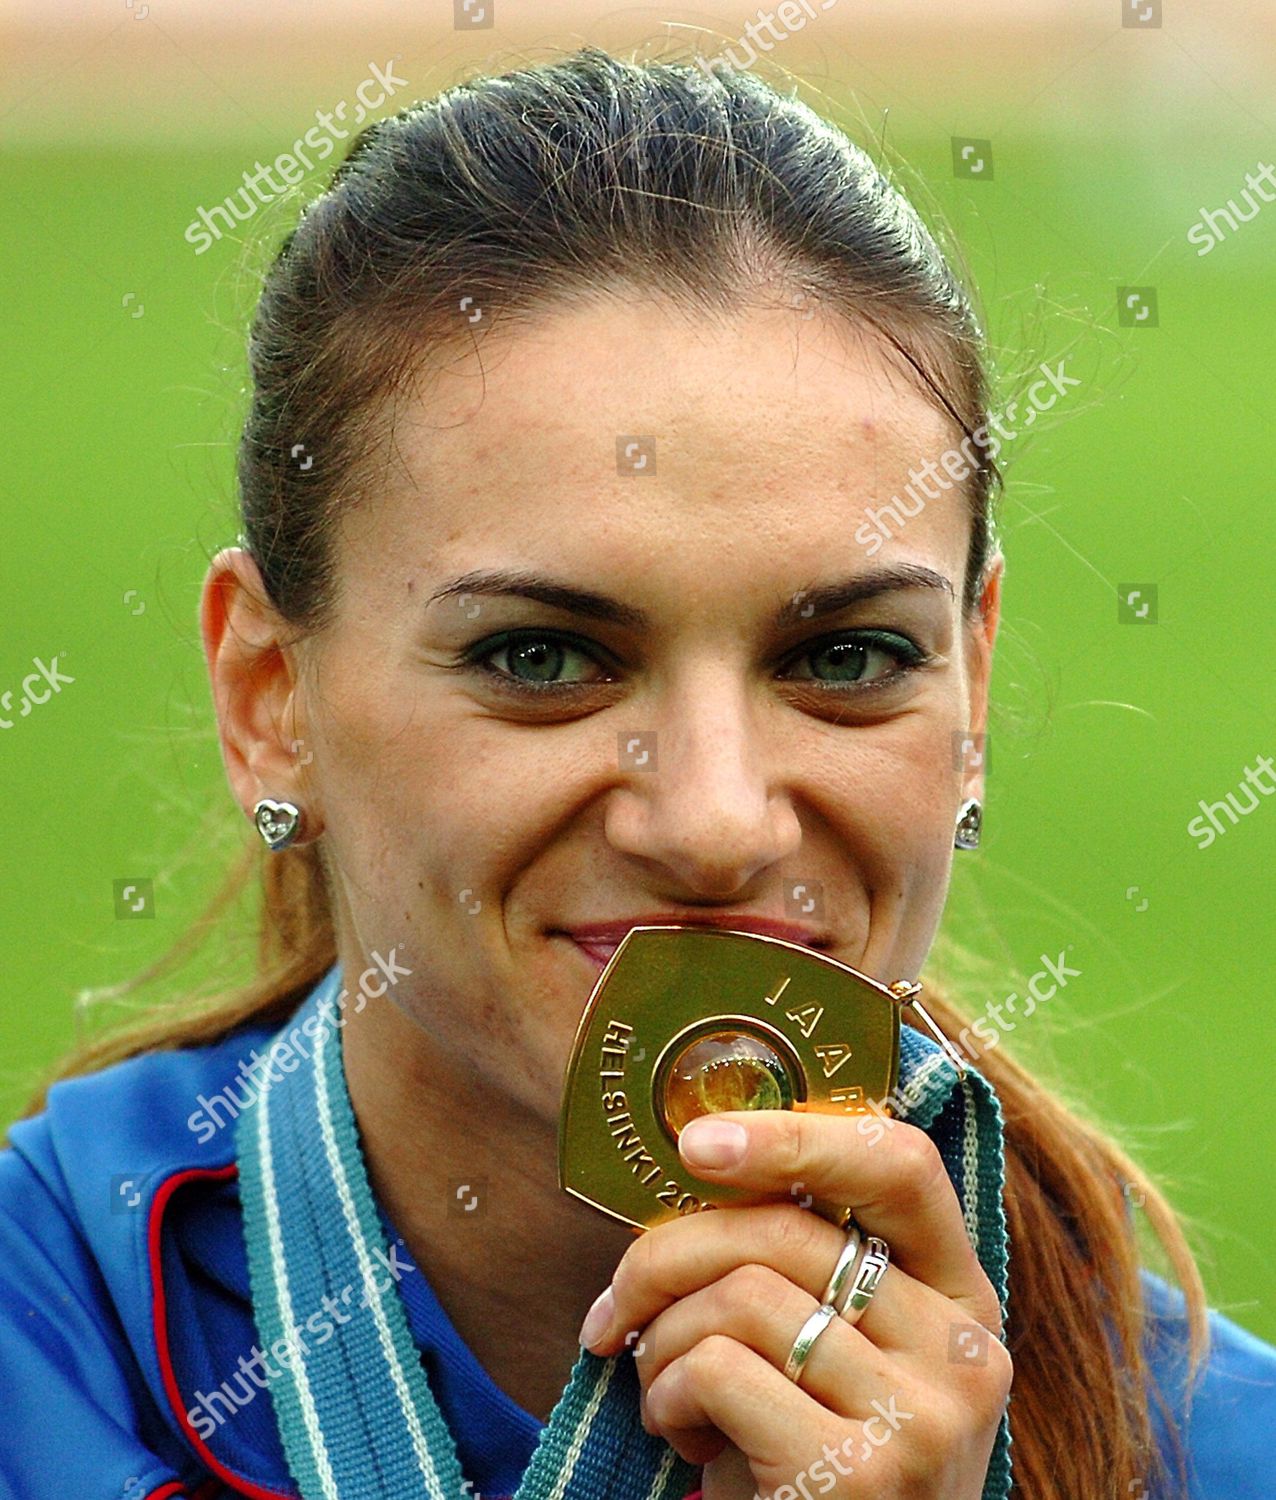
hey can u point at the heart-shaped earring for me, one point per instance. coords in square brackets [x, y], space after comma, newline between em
[277, 822]
[970, 822]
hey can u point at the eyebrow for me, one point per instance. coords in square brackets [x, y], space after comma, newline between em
[804, 604]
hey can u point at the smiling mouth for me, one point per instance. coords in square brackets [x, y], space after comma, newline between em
[598, 952]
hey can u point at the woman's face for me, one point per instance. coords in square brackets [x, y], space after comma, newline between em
[671, 748]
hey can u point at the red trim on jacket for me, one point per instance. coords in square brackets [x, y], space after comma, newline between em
[159, 1309]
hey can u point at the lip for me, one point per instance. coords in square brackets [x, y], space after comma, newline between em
[601, 939]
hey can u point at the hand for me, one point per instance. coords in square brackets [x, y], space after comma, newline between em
[905, 1402]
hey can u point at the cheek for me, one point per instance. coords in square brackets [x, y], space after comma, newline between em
[894, 783]
[499, 800]
[393, 779]
[886, 801]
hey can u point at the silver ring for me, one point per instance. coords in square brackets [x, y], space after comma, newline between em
[868, 1274]
[845, 1264]
[805, 1341]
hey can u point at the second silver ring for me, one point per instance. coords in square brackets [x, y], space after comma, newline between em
[861, 1287]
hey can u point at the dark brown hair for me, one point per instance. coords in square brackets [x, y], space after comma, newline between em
[697, 184]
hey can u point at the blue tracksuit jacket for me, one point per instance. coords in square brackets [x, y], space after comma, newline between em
[129, 1366]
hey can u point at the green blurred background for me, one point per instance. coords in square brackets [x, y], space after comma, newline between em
[124, 390]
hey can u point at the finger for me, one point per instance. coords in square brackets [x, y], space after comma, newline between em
[896, 1186]
[698, 1445]
[764, 1311]
[686, 1254]
[724, 1386]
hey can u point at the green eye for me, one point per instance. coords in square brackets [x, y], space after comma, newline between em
[534, 660]
[851, 655]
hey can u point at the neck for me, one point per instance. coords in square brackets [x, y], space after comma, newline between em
[517, 1272]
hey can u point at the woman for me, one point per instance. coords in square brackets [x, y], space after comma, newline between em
[549, 620]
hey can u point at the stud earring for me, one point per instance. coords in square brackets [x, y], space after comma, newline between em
[970, 821]
[277, 822]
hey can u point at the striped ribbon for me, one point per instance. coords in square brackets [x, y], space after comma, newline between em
[356, 1415]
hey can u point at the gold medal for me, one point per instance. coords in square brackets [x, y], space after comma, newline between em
[688, 1020]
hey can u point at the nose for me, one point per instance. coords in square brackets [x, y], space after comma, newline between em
[715, 811]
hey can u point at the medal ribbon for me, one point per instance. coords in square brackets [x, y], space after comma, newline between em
[356, 1414]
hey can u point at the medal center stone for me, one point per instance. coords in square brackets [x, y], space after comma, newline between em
[725, 1070]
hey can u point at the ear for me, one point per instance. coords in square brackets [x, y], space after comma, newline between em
[980, 639]
[253, 669]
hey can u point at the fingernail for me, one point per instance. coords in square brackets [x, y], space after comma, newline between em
[597, 1318]
[706, 1142]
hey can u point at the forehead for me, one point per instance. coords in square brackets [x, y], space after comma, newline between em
[616, 430]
